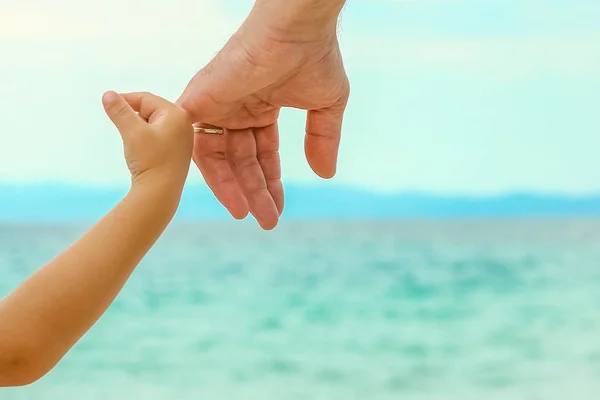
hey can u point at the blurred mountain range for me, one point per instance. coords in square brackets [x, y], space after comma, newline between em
[58, 202]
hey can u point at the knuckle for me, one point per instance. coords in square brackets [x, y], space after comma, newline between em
[179, 113]
[120, 110]
[178, 119]
[244, 161]
[269, 156]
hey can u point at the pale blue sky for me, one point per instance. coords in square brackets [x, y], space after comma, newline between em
[450, 96]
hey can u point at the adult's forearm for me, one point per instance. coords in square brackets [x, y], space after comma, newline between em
[54, 308]
[298, 16]
[328, 9]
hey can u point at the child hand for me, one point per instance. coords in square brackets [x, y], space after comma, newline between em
[157, 136]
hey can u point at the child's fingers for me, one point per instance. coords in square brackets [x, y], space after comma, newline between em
[149, 106]
[119, 112]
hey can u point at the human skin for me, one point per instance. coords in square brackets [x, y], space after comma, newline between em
[46, 316]
[285, 54]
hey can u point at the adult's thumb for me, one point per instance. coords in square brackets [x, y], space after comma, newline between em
[120, 112]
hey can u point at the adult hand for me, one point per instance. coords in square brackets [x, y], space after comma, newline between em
[286, 54]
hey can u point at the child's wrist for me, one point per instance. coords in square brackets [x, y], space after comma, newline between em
[164, 191]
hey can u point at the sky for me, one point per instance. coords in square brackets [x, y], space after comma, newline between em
[448, 96]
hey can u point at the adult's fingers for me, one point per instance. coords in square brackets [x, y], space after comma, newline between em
[322, 142]
[209, 156]
[267, 149]
[242, 155]
[120, 113]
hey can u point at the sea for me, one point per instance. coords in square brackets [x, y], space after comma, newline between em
[352, 310]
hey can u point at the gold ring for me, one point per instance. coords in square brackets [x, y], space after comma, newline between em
[208, 129]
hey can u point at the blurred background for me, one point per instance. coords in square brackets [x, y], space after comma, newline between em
[455, 256]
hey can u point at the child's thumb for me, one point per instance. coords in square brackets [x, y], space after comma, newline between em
[120, 112]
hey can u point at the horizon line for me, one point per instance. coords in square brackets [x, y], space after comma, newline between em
[333, 186]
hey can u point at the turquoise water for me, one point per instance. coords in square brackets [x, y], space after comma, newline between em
[378, 311]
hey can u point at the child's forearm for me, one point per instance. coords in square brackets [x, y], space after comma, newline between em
[54, 308]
